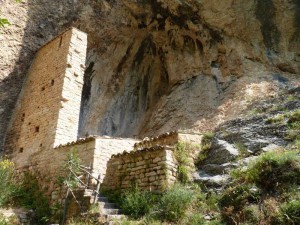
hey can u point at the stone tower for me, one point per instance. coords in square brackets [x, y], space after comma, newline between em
[47, 112]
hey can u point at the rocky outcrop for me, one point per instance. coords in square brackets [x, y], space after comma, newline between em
[155, 66]
[239, 141]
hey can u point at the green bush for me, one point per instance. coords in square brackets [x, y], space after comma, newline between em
[294, 117]
[252, 214]
[273, 171]
[182, 153]
[8, 184]
[206, 142]
[293, 123]
[135, 202]
[276, 119]
[175, 202]
[242, 148]
[206, 145]
[195, 219]
[13, 220]
[290, 213]
[70, 171]
[276, 174]
[30, 196]
[212, 199]
[238, 196]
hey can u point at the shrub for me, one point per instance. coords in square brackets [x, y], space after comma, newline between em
[294, 117]
[242, 148]
[30, 196]
[273, 170]
[238, 196]
[290, 213]
[86, 219]
[7, 182]
[12, 220]
[195, 219]
[135, 202]
[211, 201]
[276, 119]
[70, 171]
[206, 142]
[181, 154]
[233, 201]
[296, 145]
[252, 214]
[175, 202]
[293, 123]
[206, 145]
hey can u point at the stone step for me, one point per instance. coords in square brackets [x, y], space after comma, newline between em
[107, 208]
[107, 205]
[113, 218]
[103, 199]
[111, 211]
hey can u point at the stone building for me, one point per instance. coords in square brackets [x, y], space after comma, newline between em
[44, 128]
[47, 111]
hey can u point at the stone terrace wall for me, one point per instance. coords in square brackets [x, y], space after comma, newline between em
[94, 151]
[47, 111]
[46, 165]
[151, 169]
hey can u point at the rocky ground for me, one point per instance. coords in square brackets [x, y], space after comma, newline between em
[266, 126]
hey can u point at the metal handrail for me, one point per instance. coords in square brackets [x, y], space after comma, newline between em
[86, 186]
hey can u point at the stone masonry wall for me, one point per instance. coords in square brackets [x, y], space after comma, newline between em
[46, 166]
[170, 139]
[68, 119]
[94, 151]
[151, 169]
[47, 111]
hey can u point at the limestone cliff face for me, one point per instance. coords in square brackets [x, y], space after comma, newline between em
[155, 66]
[161, 65]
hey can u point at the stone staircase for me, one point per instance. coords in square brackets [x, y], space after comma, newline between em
[108, 210]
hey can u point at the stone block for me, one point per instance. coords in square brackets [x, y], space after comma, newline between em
[157, 159]
[151, 179]
[153, 173]
[141, 163]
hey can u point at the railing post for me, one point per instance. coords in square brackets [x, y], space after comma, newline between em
[88, 176]
[65, 208]
[97, 189]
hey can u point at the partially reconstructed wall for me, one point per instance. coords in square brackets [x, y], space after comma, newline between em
[152, 166]
[47, 112]
[151, 169]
